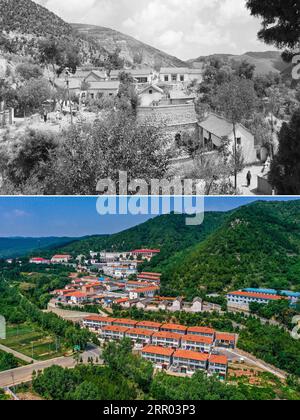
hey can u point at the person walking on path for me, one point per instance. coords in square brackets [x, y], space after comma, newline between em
[249, 178]
[45, 116]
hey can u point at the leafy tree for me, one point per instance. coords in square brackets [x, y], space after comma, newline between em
[33, 94]
[285, 170]
[29, 71]
[280, 21]
[237, 100]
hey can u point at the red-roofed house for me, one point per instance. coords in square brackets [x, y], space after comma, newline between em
[161, 357]
[174, 328]
[189, 361]
[202, 332]
[143, 292]
[145, 254]
[149, 325]
[225, 340]
[113, 332]
[139, 335]
[218, 365]
[197, 343]
[75, 298]
[166, 339]
[96, 322]
[124, 322]
[242, 300]
[59, 259]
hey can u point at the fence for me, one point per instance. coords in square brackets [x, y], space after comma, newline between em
[6, 117]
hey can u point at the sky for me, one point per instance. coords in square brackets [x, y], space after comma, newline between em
[183, 28]
[77, 216]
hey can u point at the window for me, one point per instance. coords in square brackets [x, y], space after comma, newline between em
[182, 78]
[166, 78]
[239, 141]
[150, 91]
[174, 77]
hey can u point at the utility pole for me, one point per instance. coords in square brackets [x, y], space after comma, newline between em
[68, 91]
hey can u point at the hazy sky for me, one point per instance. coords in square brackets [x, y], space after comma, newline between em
[184, 28]
[77, 216]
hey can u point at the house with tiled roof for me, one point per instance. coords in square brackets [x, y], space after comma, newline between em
[166, 339]
[161, 357]
[213, 129]
[189, 361]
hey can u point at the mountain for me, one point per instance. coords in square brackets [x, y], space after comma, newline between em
[25, 17]
[18, 247]
[168, 233]
[110, 39]
[257, 245]
[265, 62]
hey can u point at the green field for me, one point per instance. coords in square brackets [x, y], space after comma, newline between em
[32, 342]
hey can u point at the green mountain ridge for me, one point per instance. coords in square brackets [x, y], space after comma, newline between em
[18, 247]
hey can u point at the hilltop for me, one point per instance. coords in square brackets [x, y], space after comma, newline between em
[110, 39]
[18, 247]
[258, 245]
[265, 62]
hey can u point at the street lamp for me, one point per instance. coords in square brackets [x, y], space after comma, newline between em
[67, 79]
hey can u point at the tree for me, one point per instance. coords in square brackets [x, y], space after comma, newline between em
[280, 21]
[29, 71]
[127, 95]
[237, 100]
[285, 169]
[33, 94]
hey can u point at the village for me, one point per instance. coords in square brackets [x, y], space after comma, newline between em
[166, 97]
[175, 348]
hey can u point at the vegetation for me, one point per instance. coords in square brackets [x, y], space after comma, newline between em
[285, 171]
[7, 361]
[129, 377]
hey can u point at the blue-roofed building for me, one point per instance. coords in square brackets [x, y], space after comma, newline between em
[294, 297]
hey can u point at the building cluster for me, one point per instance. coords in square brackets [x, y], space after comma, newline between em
[56, 259]
[241, 299]
[169, 346]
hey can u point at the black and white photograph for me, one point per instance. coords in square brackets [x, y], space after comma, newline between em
[162, 90]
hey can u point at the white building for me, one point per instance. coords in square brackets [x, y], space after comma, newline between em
[197, 343]
[166, 339]
[202, 332]
[218, 365]
[59, 259]
[242, 300]
[95, 322]
[189, 361]
[214, 128]
[159, 356]
[139, 335]
[145, 292]
[113, 332]
[180, 75]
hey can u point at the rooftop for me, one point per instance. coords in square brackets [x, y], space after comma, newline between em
[256, 295]
[220, 360]
[164, 334]
[162, 351]
[115, 328]
[225, 337]
[201, 330]
[149, 324]
[97, 318]
[176, 327]
[139, 331]
[125, 321]
[191, 355]
[198, 339]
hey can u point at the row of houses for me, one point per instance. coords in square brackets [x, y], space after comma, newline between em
[56, 259]
[242, 299]
[197, 338]
[186, 361]
[169, 346]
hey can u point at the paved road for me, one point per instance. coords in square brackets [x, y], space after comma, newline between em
[17, 354]
[238, 354]
[24, 374]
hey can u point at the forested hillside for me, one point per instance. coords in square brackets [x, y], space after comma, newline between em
[259, 245]
[27, 17]
[17, 247]
[168, 233]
